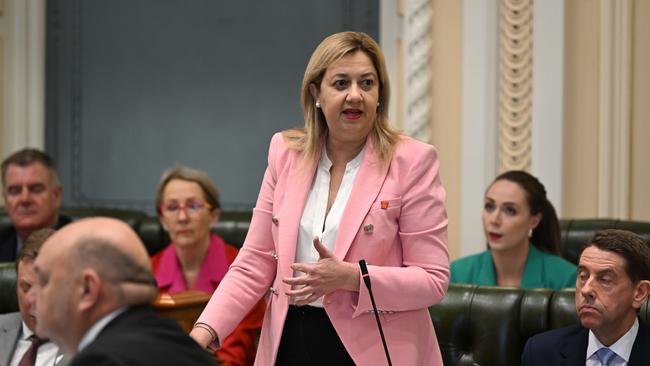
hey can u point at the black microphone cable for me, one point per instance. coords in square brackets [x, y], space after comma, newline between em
[366, 280]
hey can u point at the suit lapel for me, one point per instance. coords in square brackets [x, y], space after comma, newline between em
[10, 330]
[640, 354]
[298, 184]
[575, 349]
[367, 185]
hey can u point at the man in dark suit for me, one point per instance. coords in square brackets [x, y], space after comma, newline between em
[92, 297]
[32, 195]
[613, 282]
[18, 343]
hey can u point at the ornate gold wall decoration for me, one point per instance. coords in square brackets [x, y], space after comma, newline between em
[417, 67]
[515, 84]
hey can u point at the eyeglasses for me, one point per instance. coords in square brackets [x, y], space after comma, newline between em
[191, 208]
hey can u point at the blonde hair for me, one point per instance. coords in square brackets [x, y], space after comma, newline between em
[309, 138]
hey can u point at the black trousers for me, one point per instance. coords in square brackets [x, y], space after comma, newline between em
[309, 338]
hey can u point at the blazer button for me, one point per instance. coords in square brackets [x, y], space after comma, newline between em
[369, 228]
[273, 290]
[274, 255]
[275, 220]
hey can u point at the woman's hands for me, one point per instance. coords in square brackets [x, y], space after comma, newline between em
[320, 278]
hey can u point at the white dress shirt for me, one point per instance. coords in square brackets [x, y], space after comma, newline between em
[313, 222]
[622, 347]
[46, 355]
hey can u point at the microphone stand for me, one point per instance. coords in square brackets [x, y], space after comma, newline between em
[366, 280]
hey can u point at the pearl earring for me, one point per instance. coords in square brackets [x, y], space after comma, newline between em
[530, 233]
[317, 104]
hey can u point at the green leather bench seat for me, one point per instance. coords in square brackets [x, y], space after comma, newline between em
[574, 233]
[232, 227]
[482, 325]
[490, 325]
[8, 300]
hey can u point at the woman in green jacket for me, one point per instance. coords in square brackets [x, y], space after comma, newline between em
[523, 236]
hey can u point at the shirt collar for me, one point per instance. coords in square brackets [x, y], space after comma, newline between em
[96, 328]
[26, 332]
[169, 269]
[169, 274]
[533, 269]
[622, 347]
[326, 163]
[487, 275]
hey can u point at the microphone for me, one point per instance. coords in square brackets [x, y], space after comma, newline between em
[366, 280]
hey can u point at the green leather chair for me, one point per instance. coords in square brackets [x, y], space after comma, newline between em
[481, 325]
[131, 217]
[232, 227]
[8, 299]
[575, 233]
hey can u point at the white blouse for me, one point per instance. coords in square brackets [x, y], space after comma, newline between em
[313, 222]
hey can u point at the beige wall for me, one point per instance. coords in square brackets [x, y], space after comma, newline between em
[2, 82]
[446, 130]
[580, 170]
[581, 113]
[640, 134]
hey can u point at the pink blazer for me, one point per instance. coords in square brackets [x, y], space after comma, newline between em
[406, 251]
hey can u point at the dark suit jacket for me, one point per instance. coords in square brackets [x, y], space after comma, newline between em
[139, 337]
[8, 240]
[568, 346]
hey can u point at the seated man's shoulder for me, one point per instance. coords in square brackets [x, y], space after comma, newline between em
[552, 339]
[559, 346]
[139, 337]
[7, 236]
[10, 318]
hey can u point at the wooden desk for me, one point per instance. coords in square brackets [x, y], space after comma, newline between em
[184, 307]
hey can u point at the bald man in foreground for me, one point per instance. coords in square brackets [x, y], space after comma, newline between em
[92, 297]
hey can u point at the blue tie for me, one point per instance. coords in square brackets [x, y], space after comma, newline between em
[605, 355]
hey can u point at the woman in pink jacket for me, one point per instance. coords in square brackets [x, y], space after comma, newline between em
[345, 187]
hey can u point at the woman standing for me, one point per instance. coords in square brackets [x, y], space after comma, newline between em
[345, 187]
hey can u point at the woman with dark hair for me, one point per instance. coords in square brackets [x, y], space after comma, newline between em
[516, 214]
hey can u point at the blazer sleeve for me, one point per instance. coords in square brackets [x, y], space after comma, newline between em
[423, 278]
[251, 274]
[239, 348]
